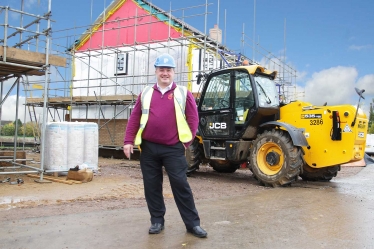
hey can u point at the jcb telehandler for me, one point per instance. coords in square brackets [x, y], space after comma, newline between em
[243, 122]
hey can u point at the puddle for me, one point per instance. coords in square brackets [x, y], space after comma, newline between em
[9, 202]
[13, 200]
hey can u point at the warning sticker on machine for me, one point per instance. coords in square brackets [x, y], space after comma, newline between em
[311, 115]
[347, 129]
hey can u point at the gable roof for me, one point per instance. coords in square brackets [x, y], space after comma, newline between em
[153, 25]
[130, 22]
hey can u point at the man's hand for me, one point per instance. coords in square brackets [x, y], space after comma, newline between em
[127, 149]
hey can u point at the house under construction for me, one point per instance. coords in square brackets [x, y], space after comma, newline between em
[113, 61]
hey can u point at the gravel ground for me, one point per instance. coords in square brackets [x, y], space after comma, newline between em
[118, 184]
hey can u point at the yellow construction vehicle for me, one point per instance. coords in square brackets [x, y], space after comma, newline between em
[243, 122]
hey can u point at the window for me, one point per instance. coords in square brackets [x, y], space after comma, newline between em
[267, 92]
[217, 95]
[122, 64]
[244, 98]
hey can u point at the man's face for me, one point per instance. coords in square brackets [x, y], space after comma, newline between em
[165, 75]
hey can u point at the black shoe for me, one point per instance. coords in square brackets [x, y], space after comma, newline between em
[198, 232]
[156, 228]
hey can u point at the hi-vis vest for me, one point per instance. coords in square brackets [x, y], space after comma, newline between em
[180, 97]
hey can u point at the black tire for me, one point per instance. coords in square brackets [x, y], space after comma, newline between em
[194, 156]
[321, 174]
[223, 166]
[274, 160]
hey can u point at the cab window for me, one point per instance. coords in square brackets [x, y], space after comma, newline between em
[244, 98]
[217, 95]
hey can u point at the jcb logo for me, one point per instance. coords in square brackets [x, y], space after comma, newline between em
[217, 126]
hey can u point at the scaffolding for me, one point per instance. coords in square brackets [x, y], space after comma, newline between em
[18, 63]
[107, 98]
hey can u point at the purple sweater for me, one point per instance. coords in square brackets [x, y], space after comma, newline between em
[161, 127]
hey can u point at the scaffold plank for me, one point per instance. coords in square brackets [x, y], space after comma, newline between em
[26, 57]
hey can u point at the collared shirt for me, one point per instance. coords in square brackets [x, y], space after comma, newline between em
[163, 91]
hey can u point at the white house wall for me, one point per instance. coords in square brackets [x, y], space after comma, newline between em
[95, 75]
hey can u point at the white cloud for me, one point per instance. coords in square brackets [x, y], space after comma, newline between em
[367, 83]
[8, 112]
[9, 109]
[334, 86]
[287, 73]
[301, 75]
[362, 47]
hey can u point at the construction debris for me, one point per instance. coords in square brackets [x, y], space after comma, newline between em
[18, 181]
[55, 179]
[5, 180]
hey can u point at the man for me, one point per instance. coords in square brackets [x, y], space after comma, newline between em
[164, 122]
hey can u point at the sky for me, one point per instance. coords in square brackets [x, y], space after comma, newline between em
[330, 43]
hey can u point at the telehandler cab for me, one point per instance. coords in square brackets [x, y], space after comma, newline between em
[243, 122]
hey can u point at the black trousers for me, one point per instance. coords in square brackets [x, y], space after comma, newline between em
[152, 157]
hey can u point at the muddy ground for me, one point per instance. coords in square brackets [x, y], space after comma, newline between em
[116, 185]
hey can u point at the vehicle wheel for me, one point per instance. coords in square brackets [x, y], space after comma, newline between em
[321, 174]
[194, 156]
[223, 166]
[275, 161]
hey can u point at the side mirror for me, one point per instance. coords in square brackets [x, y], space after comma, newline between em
[199, 76]
[360, 92]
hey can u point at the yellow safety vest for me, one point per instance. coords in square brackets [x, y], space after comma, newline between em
[180, 97]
